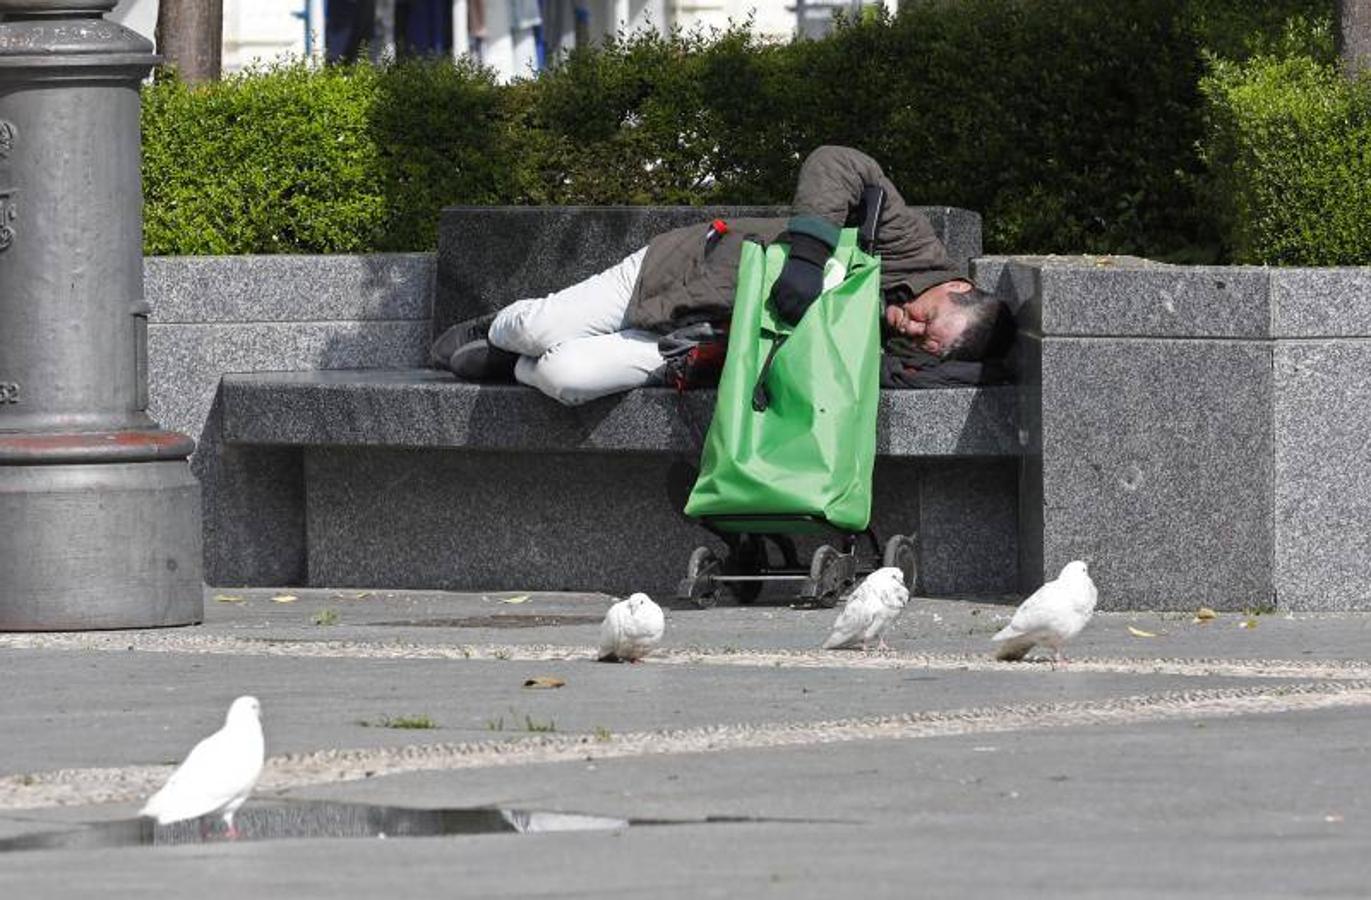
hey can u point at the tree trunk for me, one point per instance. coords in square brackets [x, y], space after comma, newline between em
[1354, 35]
[190, 37]
[383, 31]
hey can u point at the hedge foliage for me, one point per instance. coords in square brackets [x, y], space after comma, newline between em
[297, 159]
[1290, 151]
[1071, 125]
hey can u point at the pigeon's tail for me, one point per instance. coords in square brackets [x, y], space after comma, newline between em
[166, 812]
[839, 640]
[1013, 649]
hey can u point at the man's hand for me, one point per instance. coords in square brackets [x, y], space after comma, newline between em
[802, 278]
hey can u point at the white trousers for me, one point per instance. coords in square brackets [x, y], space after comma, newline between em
[573, 344]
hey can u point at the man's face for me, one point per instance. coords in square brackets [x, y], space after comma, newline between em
[933, 319]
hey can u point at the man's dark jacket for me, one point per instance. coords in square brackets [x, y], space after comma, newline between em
[684, 278]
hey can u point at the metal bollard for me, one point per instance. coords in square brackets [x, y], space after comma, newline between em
[99, 512]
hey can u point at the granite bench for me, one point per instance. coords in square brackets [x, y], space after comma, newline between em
[413, 479]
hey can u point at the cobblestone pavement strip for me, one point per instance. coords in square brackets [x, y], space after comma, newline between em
[107, 785]
[702, 656]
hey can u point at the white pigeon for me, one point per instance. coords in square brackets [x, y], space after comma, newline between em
[631, 629]
[870, 610]
[218, 774]
[1052, 615]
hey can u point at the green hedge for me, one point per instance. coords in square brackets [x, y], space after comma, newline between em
[296, 159]
[1070, 125]
[1290, 150]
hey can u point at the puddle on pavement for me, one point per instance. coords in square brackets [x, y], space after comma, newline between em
[282, 820]
[507, 620]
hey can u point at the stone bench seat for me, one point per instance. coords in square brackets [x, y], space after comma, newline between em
[411, 478]
[430, 409]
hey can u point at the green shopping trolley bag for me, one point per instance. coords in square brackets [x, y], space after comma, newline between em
[793, 439]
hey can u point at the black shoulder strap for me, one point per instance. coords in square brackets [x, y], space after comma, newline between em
[873, 204]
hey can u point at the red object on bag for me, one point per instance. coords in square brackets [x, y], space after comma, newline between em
[717, 229]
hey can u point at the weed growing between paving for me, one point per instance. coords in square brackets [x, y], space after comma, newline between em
[404, 722]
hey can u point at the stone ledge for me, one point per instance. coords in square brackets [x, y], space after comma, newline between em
[1126, 296]
[425, 408]
[1312, 303]
[289, 288]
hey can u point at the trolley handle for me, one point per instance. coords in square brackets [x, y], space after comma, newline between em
[760, 398]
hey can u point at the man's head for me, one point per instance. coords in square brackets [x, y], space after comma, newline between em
[954, 320]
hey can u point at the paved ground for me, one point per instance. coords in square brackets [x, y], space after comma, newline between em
[1208, 759]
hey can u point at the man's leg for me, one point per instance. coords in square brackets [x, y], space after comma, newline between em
[584, 369]
[596, 306]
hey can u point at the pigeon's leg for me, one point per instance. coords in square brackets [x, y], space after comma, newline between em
[204, 829]
[881, 645]
[1058, 658]
[232, 832]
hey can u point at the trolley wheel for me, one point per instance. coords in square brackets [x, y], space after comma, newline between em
[899, 552]
[826, 576]
[699, 586]
[748, 559]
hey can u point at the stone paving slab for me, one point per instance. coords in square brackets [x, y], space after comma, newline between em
[1210, 760]
[1168, 809]
[147, 708]
[1118, 774]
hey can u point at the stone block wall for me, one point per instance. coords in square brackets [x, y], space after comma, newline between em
[1321, 330]
[215, 315]
[1197, 433]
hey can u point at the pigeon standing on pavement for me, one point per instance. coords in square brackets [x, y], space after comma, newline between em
[631, 629]
[219, 773]
[870, 610]
[1052, 615]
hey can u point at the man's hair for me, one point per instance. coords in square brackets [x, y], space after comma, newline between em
[989, 331]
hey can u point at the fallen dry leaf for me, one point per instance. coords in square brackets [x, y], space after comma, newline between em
[1138, 632]
[522, 598]
[1248, 623]
[285, 598]
[228, 598]
[1204, 614]
[544, 682]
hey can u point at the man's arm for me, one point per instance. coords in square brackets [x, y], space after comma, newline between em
[832, 179]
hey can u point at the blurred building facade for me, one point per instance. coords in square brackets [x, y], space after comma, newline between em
[513, 37]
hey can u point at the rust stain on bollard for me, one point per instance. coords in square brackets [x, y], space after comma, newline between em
[106, 446]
